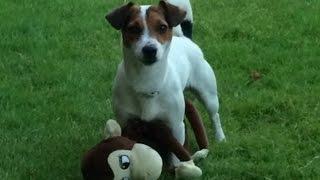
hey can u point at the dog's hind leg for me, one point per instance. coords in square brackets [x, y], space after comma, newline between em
[204, 85]
[211, 103]
[219, 132]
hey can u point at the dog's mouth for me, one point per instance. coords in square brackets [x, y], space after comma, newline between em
[149, 61]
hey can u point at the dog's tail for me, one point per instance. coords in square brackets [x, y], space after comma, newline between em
[187, 24]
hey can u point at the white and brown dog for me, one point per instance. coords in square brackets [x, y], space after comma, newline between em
[159, 65]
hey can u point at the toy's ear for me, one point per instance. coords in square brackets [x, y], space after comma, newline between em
[112, 129]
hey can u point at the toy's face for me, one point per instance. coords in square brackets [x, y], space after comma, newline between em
[103, 160]
[120, 158]
[112, 159]
[142, 162]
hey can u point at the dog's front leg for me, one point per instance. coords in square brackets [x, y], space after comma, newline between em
[176, 111]
[178, 132]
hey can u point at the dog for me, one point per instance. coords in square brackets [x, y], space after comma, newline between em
[159, 64]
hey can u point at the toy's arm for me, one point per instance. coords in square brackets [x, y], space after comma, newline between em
[196, 125]
[163, 135]
[157, 135]
[198, 130]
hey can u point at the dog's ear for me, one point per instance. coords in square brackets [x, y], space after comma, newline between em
[173, 14]
[118, 16]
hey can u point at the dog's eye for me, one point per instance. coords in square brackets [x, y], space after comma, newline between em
[134, 29]
[124, 161]
[163, 29]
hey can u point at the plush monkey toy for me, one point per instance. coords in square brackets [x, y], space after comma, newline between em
[120, 158]
[142, 149]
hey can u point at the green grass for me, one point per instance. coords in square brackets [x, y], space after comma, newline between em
[58, 59]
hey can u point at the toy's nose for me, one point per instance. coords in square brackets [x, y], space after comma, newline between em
[149, 52]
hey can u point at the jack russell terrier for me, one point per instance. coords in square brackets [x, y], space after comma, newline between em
[159, 64]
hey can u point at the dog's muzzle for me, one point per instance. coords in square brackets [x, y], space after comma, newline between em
[149, 54]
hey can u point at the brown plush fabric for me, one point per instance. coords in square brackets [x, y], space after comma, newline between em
[196, 125]
[94, 165]
[157, 135]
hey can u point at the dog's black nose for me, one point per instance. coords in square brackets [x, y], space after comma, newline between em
[149, 52]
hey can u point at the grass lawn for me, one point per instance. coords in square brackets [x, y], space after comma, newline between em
[58, 59]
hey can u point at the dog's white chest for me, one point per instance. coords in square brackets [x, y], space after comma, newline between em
[150, 108]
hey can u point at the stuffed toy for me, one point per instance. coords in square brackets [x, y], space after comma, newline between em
[141, 150]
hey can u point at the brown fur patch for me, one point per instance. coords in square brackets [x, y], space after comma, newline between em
[133, 28]
[155, 21]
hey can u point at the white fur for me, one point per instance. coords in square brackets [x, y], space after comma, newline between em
[177, 31]
[146, 39]
[183, 68]
[180, 65]
[137, 73]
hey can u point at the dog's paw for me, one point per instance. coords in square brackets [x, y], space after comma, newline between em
[201, 154]
[187, 170]
[220, 137]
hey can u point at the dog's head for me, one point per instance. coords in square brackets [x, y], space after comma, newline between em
[146, 30]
